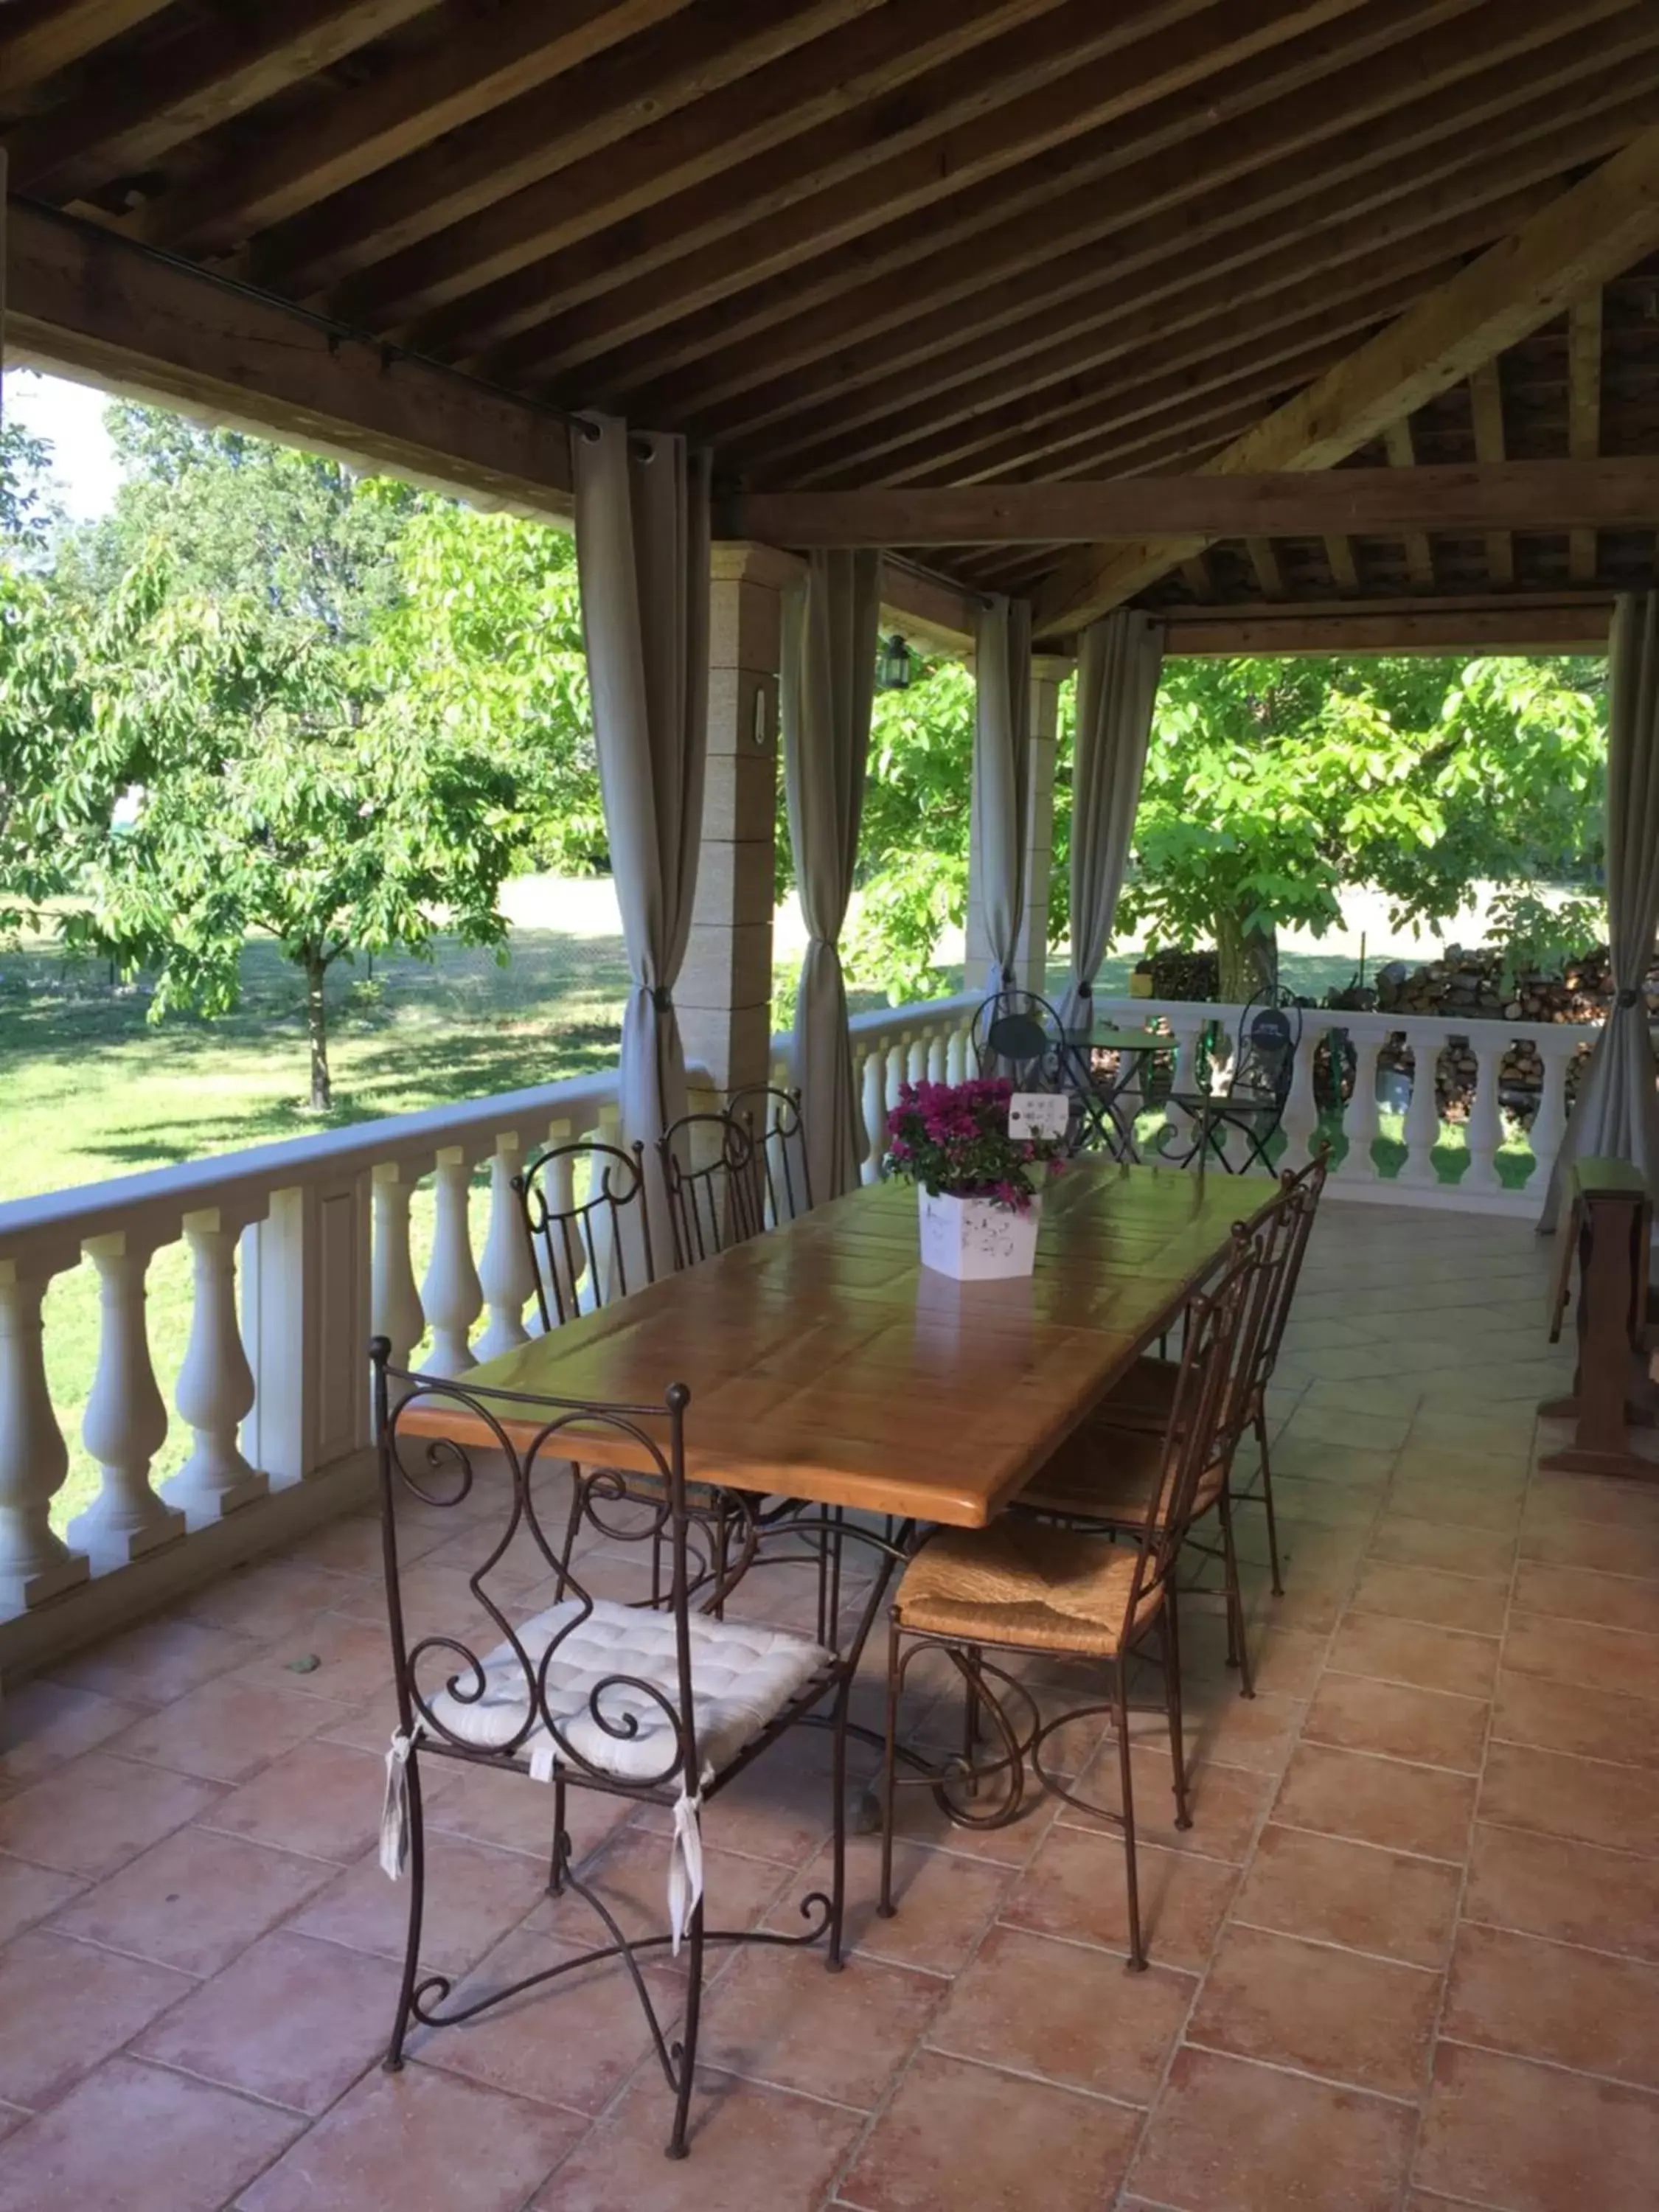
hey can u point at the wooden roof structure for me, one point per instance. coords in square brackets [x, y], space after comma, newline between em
[916, 245]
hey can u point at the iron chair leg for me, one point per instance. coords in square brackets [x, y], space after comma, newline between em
[1170, 1637]
[884, 1907]
[1239, 1654]
[838, 1831]
[686, 2050]
[1125, 1767]
[1267, 1497]
[393, 2061]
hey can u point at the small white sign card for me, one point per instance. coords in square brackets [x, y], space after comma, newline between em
[1038, 1113]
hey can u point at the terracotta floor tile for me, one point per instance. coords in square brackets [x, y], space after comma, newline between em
[368, 1726]
[226, 1730]
[273, 1597]
[1403, 1651]
[64, 2008]
[944, 1902]
[134, 2138]
[573, 2042]
[961, 2138]
[1404, 1540]
[1354, 1894]
[354, 1659]
[1347, 1427]
[1499, 1463]
[1228, 1804]
[1432, 1727]
[516, 1814]
[1603, 1547]
[1494, 1509]
[1562, 1716]
[1549, 1885]
[1066, 2011]
[323, 1800]
[1378, 1800]
[780, 2016]
[92, 1816]
[781, 1808]
[28, 1894]
[1229, 2137]
[1577, 1651]
[1074, 1888]
[1365, 2021]
[1583, 1497]
[157, 1663]
[1225, 1729]
[1566, 1593]
[630, 1875]
[753, 2150]
[1425, 1594]
[193, 1901]
[1577, 1797]
[1551, 2001]
[423, 2141]
[1532, 2138]
[1321, 1459]
[1444, 1428]
[1313, 1504]
[352, 1544]
[43, 1725]
[473, 1896]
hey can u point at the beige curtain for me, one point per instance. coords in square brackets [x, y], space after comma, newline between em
[1002, 766]
[1120, 660]
[1617, 1114]
[827, 689]
[642, 562]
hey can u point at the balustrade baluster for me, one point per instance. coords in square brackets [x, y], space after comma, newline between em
[394, 1297]
[452, 1294]
[1301, 1106]
[215, 1383]
[873, 1093]
[126, 1422]
[506, 1271]
[938, 1049]
[1187, 1031]
[915, 1057]
[35, 1563]
[1549, 1123]
[1423, 1114]
[956, 1054]
[1360, 1115]
[1485, 1131]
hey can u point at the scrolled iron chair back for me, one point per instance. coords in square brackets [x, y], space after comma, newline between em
[712, 1176]
[1018, 1035]
[1282, 1233]
[774, 1119]
[1269, 1034]
[649, 1504]
[602, 1239]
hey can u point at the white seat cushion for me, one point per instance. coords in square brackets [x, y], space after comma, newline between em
[741, 1677]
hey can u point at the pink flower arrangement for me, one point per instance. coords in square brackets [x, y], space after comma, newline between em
[952, 1138]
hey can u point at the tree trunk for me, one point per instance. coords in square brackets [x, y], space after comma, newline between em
[1248, 959]
[322, 1090]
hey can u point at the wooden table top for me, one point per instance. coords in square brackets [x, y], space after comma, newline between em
[825, 1362]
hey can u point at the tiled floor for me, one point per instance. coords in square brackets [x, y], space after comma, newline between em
[1407, 1958]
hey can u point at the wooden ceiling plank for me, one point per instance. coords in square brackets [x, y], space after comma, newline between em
[1375, 205]
[1591, 231]
[469, 280]
[249, 186]
[1486, 407]
[1053, 83]
[130, 117]
[53, 34]
[85, 302]
[1177, 613]
[1521, 628]
[1584, 413]
[1195, 575]
[695, 53]
[834, 308]
[1265, 562]
[1614, 493]
[1420, 555]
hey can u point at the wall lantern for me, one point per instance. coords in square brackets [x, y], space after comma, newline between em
[893, 664]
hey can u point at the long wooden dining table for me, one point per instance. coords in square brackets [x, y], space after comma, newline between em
[825, 1364]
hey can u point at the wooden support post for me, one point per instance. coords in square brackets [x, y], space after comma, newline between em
[1048, 672]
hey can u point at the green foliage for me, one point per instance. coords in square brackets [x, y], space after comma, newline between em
[1540, 936]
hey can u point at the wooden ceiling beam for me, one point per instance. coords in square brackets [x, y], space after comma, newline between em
[1419, 554]
[90, 304]
[1591, 231]
[1521, 628]
[1584, 413]
[129, 117]
[1486, 406]
[49, 36]
[1057, 80]
[1614, 495]
[1340, 558]
[458, 292]
[247, 184]
[1122, 276]
[695, 54]
[1265, 562]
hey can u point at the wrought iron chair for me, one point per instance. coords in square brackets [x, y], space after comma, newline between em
[715, 1180]
[1253, 1092]
[1018, 1035]
[659, 1703]
[1026, 1588]
[576, 1242]
[774, 1119]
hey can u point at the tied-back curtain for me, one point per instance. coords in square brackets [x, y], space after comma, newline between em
[827, 689]
[1002, 766]
[1120, 660]
[1617, 1114]
[642, 563]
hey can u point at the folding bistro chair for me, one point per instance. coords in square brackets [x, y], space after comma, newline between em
[1252, 1095]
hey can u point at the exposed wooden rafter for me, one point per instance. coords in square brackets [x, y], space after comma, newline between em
[1420, 555]
[1584, 413]
[1520, 629]
[1486, 407]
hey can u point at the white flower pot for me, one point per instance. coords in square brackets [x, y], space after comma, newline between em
[975, 1240]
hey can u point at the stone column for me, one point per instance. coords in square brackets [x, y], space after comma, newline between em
[724, 996]
[1048, 672]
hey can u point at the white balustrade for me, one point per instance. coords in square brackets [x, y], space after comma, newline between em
[1422, 1129]
[506, 1269]
[1359, 1122]
[1301, 1119]
[1555, 1048]
[872, 1094]
[126, 1422]
[215, 1383]
[451, 1293]
[35, 1565]
[1485, 1132]
[395, 1308]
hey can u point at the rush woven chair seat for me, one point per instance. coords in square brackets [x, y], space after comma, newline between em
[1023, 1587]
[657, 1703]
